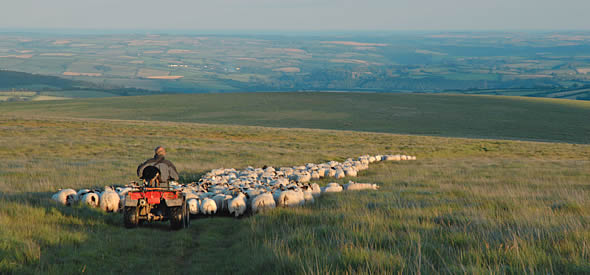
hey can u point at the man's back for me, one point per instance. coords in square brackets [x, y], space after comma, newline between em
[166, 167]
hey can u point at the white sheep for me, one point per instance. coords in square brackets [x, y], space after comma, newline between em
[350, 172]
[193, 206]
[263, 202]
[352, 186]
[316, 190]
[208, 206]
[65, 197]
[339, 174]
[315, 175]
[82, 192]
[237, 205]
[332, 188]
[291, 198]
[221, 202]
[91, 199]
[308, 196]
[109, 200]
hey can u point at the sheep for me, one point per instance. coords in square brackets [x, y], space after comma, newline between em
[208, 206]
[221, 200]
[254, 188]
[315, 175]
[122, 202]
[82, 192]
[65, 197]
[237, 205]
[109, 200]
[262, 202]
[122, 191]
[392, 157]
[308, 196]
[315, 190]
[339, 174]
[291, 198]
[193, 206]
[332, 188]
[91, 199]
[350, 172]
[279, 181]
[352, 186]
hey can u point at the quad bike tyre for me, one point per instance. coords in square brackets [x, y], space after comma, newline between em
[131, 217]
[179, 217]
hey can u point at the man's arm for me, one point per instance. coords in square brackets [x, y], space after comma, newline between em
[172, 171]
[141, 167]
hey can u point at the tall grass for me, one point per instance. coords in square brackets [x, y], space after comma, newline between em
[466, 206]
[419, 114]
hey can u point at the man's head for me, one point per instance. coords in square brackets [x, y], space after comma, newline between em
[160, 151]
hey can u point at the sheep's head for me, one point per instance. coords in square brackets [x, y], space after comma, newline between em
[70, 199]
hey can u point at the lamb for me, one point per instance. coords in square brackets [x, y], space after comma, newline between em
[332, 188]
[109, 200]
[237, 205]
[91, 199]
[208, 206]
[263, 202]
[352, 186]
[65, 197]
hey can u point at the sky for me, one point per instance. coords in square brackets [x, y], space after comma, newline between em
[296, 15]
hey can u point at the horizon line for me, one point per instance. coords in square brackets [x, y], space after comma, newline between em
[271, 31]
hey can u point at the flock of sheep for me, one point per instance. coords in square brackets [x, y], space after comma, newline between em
[236, 192]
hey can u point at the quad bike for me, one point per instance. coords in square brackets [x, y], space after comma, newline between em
[156, 204]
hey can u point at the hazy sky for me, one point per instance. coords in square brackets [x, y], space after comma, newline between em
[297, 14]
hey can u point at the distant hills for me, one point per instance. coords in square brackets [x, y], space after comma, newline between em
[21, 86]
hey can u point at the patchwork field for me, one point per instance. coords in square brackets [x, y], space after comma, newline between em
[465, 206]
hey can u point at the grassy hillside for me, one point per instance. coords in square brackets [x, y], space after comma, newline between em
[21, 86]
[426, 114]
[467, 205]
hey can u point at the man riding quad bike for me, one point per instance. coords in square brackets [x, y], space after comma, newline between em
[154, 200]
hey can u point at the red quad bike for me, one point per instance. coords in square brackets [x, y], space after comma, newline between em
[156, 204]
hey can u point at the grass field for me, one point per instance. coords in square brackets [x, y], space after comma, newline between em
[466, 205]
[426, 114]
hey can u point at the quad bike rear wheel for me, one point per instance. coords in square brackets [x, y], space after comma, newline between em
[176, 221]
[131, 217]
